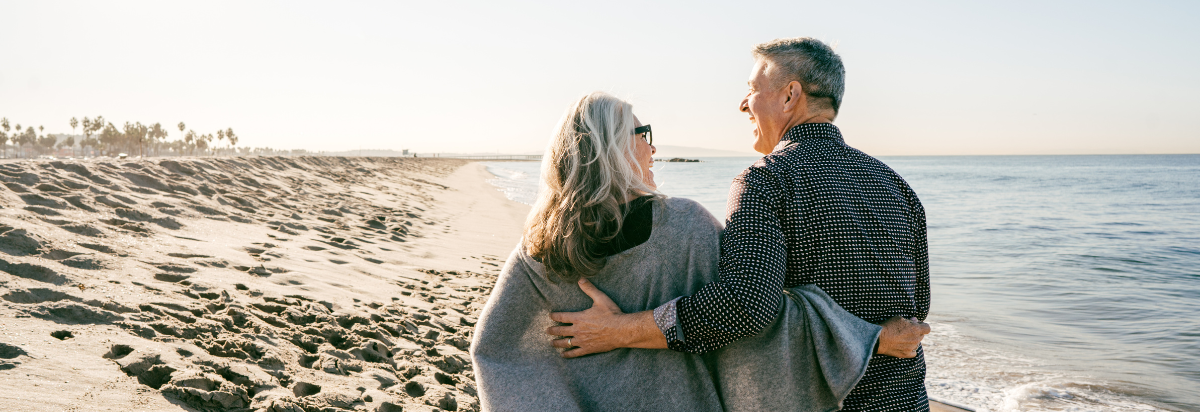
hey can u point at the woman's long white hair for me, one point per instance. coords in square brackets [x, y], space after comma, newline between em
[587, 181]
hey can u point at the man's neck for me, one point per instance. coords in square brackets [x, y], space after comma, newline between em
[817, 118]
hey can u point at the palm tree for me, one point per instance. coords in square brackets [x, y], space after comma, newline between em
[135, 136]
[4, 135]
[220, 138]
[90, 128]
[233, 139]
[181, 126]
[97, 124]
[46, 143]
[128, 134]
[189, 139]
[87, 133]
[29, 137]
[110, 137]
[157, 132]
[74, 123]
[70, 142]
[88, 142]
[42, 141]
[202, 142]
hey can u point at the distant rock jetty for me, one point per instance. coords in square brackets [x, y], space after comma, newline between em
[678, 160]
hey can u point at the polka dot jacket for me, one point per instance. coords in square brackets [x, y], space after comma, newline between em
[816, 211]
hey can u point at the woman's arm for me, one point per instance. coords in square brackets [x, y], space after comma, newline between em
[514, 369]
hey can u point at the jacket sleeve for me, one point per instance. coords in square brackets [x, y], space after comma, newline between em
[747, 296]
[516, 368]
[920, 258]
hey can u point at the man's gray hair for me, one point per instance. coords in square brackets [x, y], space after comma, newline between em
[809, 61]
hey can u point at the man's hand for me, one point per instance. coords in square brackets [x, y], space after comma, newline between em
[603, 327]
[901, 337]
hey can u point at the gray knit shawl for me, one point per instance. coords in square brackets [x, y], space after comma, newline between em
[807, 360]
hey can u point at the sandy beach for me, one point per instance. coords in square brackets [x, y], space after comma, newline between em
[276, 284]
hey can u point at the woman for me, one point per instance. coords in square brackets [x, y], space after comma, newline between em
[599, 218]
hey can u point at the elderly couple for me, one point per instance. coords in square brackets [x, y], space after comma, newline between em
[810, 298]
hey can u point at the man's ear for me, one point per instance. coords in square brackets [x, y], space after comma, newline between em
[795, 97]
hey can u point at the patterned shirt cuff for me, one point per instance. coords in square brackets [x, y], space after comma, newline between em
[668, 322]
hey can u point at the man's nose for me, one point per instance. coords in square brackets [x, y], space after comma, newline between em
[745, 106]
[653, 150]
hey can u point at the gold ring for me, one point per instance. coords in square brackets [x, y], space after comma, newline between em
[570, 345]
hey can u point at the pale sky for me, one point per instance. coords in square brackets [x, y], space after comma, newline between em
[923, 78]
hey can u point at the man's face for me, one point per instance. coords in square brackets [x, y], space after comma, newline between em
[764, 104]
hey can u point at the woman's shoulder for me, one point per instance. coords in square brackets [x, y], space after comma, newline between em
[519, 260]
[688, 212]
[680, 203]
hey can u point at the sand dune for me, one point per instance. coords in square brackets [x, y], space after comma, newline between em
[274, 284]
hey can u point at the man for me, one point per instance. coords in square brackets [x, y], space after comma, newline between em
[812, 210]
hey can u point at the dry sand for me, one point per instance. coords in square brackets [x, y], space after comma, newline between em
[277, 284]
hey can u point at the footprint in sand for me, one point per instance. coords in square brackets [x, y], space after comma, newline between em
[39, 200]
[340, 242]
[105, 200]
[170, 277]
[187, 255]
[99, 248]
[78, 260]
[7, 354]
[36, 295]
[83, 229]
[135, 227]
[69, 313]
[33, 272]
[78, 201]
[171, 267]
[87, 262]
[45, 211]
[18, 242]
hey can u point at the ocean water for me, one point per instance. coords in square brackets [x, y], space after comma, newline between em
[1060, 283]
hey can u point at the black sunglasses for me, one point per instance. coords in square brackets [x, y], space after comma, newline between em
[649, 137]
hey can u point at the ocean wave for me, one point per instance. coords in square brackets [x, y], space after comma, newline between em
[963, 371]
[517, 180]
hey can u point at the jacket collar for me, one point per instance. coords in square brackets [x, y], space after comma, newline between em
[811, 131]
